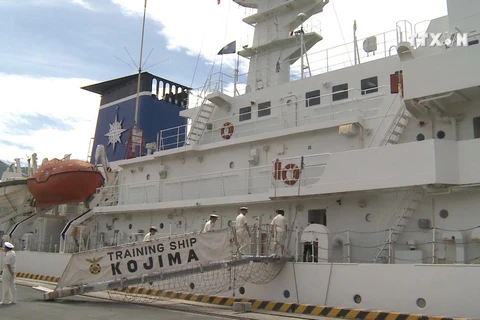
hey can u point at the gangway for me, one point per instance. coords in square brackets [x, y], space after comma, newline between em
[149, 262]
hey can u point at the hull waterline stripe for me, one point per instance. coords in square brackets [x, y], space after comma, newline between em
[289, 307]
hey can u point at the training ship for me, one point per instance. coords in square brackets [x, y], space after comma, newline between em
[374, 163]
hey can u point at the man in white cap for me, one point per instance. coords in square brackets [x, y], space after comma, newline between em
[243, 233]
[151, 235]
[279, 231]
[210, 223]
[9, 290]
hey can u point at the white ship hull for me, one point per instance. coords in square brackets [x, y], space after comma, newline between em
[382, 165]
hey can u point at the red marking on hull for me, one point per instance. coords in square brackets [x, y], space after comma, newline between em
[61, 182]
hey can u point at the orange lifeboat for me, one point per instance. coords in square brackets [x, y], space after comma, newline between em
[64, 181]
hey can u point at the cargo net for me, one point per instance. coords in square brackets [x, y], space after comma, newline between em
[255, 267]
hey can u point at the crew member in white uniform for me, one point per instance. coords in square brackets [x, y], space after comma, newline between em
[151, 235]
[9, 290]
[243, 234]
[210, 225]
[279, 231]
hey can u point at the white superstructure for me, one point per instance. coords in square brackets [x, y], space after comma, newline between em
[379, 160]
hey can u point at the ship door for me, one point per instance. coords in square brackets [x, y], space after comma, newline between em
[289, 111]
[310, 250]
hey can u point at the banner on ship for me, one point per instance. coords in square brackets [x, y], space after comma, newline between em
[142, 258]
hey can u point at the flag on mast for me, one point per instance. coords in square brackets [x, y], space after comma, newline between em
[229, 48]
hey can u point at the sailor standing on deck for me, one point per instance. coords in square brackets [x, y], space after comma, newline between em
[210, 223]
[243, 234]
[151, 235]
[279, 231]
[9, 290]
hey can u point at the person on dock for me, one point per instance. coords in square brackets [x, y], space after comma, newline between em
[151, 235]
[279, 231]
[243, 233]
[210, 225]
[9, 290]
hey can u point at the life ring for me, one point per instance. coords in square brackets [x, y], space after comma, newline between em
[227, 130]
[295, 174]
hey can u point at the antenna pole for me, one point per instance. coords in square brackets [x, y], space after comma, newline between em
[355, 40]
[140, 67]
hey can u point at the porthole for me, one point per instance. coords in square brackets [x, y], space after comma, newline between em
[231, 165]
[130, 226]
[421, 303]
[161, 225]
[241, 290]
[443, 213]
[441, 134]
[192, 285]
[286, 294]
[147, 177]
[229, 223]
[420, 137]
[368, 217]
[357, 299]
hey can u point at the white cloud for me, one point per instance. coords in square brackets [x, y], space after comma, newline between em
[82, 3]
[55, 97]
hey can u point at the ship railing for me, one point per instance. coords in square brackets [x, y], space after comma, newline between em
[322, 61]
[234, 182]
[428, 246]
[289, 114]
[301, 171]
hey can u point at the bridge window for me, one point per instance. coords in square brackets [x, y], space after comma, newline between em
[340, 92]
[312, 98]
[369, 85]
[245, 114]
[264, 109]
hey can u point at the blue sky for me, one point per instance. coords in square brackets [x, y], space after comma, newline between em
[50, 48]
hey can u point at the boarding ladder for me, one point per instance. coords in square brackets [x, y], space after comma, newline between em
[202, 117]
[200, 122]
[87, 266]
[397, 126]
[403, 212]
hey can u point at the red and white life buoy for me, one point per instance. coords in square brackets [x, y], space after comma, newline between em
[294, 175]
[227, 130]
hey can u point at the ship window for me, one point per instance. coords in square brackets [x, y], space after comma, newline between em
[264, 109]
[318, 216]
[312, 98]
[340, 92]
[476, 127]
[369, 85]
[245, 114]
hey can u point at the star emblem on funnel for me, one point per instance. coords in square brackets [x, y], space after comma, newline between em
[115, 133]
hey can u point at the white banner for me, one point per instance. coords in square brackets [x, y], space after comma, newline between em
[142, 258]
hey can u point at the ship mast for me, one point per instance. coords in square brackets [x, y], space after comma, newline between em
[274, 49]
[140, 67]
[136, 138]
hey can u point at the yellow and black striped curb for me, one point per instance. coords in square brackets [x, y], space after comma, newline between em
[36, 277]
[313, 310]
[286, 306]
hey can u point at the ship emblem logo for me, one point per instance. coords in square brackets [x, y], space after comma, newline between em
[114, 134]
[94, 266]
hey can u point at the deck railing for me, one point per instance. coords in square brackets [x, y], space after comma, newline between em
[290, 113]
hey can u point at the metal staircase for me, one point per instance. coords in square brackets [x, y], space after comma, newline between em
[200, 122]
[403, 212]
[398, 125]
